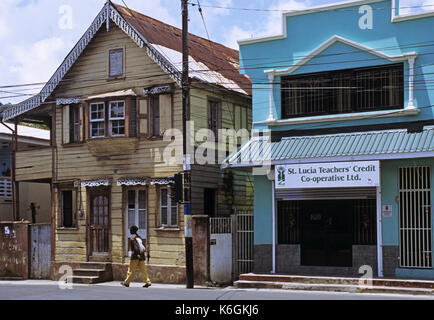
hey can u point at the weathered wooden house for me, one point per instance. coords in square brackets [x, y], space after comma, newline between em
[109, 105]
[27, 138]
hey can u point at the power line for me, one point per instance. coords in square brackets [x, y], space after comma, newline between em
[307, 10]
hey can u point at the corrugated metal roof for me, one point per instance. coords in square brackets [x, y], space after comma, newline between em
[373, 143]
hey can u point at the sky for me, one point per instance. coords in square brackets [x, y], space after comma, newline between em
[36, 35]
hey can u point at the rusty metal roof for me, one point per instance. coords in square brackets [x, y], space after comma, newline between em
[215, 56]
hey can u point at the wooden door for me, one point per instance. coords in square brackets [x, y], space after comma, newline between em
[99, 227]
[40, 251]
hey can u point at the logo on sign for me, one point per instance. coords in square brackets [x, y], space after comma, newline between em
[281, 178]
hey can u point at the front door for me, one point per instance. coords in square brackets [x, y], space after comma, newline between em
[327, 233]
[99, 227]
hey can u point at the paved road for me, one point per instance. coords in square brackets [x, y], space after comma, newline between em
[49, 290]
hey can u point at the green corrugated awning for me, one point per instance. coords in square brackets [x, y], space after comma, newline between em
[373, 145]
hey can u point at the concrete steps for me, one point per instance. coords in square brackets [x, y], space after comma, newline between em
[92, 272]
[337, 284]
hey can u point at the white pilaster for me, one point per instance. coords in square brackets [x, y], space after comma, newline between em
[411, 61]
[271, 97]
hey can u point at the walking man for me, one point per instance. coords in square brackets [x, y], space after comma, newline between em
[137, 259]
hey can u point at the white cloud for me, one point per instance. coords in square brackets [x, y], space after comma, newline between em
[32, 51]
[234, 35]
[38, 61]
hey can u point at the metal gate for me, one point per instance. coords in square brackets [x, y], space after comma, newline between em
[244, 242]
[415, 224]
[40, 251]
[221, 250]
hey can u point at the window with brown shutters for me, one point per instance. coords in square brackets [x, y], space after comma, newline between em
[113, 117]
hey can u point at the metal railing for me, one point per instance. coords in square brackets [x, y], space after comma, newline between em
[220, 225]
[244, 220]
[5, 187]
[415, 224]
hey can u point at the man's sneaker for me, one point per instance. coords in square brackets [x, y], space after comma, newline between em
[124, 284]
[147, 285]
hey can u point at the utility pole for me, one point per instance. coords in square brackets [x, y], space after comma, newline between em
[187, 168]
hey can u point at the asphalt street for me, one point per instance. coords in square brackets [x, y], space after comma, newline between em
[50, 290]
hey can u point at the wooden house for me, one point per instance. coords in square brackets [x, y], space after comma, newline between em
[110, 105]
[27, 138]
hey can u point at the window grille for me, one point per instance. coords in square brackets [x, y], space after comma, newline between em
[343, 91]
[415, 224]
[288, 219]
[365, 225]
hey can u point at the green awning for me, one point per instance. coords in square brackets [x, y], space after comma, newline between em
[355, 146]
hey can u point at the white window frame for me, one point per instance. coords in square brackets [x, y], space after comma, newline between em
[116, 118]
[169, 206]
[96, 120]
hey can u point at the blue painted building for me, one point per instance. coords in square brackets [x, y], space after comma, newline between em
[343, 159]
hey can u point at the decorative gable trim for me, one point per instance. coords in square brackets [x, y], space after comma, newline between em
[106, 13]
[96, 183]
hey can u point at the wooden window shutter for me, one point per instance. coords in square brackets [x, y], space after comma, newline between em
[237, 117]
[65, 124]
[86, 120]
[165, 112]
[81, 115]
[143, 117]
[132, 115]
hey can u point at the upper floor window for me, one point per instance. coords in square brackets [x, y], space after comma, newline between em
[116, 62]
[97, 120]
[214, 116]
[112, 120]
[155, 115]
[74, 123]
[117, 118]
[344, 91]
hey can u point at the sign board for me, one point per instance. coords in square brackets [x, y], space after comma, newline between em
[386, 210]
[328, 175]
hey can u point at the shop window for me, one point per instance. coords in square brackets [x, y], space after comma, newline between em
[365, 225]
[288, 219]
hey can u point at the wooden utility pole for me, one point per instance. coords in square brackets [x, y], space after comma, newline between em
[187, 168]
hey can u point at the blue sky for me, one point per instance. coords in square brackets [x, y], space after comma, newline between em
[36, 35]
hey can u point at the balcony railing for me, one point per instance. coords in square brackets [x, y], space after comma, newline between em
[5, 188]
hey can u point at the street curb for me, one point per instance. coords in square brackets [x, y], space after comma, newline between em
[330, 287]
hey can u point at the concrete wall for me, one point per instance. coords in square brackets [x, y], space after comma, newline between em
[40, 194]
[386, 37]
[288, 261]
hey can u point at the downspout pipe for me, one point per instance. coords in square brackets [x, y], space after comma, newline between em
[379, 231]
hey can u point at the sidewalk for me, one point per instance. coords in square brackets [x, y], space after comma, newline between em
[336, 284]
[34, 282]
